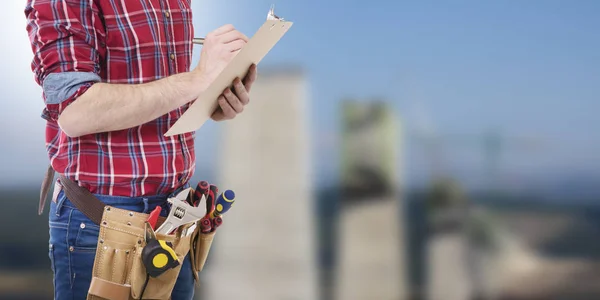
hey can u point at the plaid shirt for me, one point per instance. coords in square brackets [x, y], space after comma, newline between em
[77, 43]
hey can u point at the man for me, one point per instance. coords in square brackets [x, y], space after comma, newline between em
[115, 76]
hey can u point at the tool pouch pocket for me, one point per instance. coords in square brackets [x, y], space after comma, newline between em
[200, 247]
[158, 287]
[119, 273]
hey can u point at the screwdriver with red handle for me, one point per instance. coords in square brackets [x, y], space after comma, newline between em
[206, 222]
[202, 189]
[153, 218]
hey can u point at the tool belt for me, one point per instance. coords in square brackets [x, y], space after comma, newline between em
[119, 272]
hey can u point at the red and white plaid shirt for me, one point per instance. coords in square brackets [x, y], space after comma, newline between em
[79, 43]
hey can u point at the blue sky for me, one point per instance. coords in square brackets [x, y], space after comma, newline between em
[528, 68]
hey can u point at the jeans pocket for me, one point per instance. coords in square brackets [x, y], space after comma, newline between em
[82, 252]
[81, 266]
[85, 232]
[87, 237]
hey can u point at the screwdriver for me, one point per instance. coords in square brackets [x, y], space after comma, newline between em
[206, 222]
[202, 188]
[218, 221]
[205, 225]
[224, 203]
[210, 201]
[153, 218]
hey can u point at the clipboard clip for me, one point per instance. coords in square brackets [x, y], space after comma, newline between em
[272, 16]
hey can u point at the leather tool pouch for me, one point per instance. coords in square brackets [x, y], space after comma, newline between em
[199, 249]
[118, 269]
[118, 272]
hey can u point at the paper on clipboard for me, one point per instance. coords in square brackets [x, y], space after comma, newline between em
[252, 53]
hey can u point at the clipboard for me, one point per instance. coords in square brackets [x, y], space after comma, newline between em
[253, 52]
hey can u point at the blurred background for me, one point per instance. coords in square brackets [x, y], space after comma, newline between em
[392, 150]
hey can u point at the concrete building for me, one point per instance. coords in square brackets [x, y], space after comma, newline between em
[370, 253]
[370, 250]
[266, 246]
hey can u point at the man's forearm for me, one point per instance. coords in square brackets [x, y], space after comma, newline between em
[109, 107]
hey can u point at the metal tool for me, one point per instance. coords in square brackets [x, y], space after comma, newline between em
[190, 230]
[181, 213]
[271, 15]
[149, 232]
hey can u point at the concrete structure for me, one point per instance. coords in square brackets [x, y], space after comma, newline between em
[448, 276]
[266, 247]
[371, 251]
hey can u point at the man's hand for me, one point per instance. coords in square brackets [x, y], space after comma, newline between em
[220, 47]
[232, 101]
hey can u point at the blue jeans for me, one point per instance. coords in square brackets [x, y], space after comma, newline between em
[73, 240]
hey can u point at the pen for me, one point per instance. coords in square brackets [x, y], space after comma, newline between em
[198, 41]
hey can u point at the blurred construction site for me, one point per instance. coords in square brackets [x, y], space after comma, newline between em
[366, 235]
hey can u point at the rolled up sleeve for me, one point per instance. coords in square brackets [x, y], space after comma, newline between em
[65, 38]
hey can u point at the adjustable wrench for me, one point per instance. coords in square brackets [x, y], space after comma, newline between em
[181, 213]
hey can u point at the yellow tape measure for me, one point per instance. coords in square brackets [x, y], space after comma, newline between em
[158, 256]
